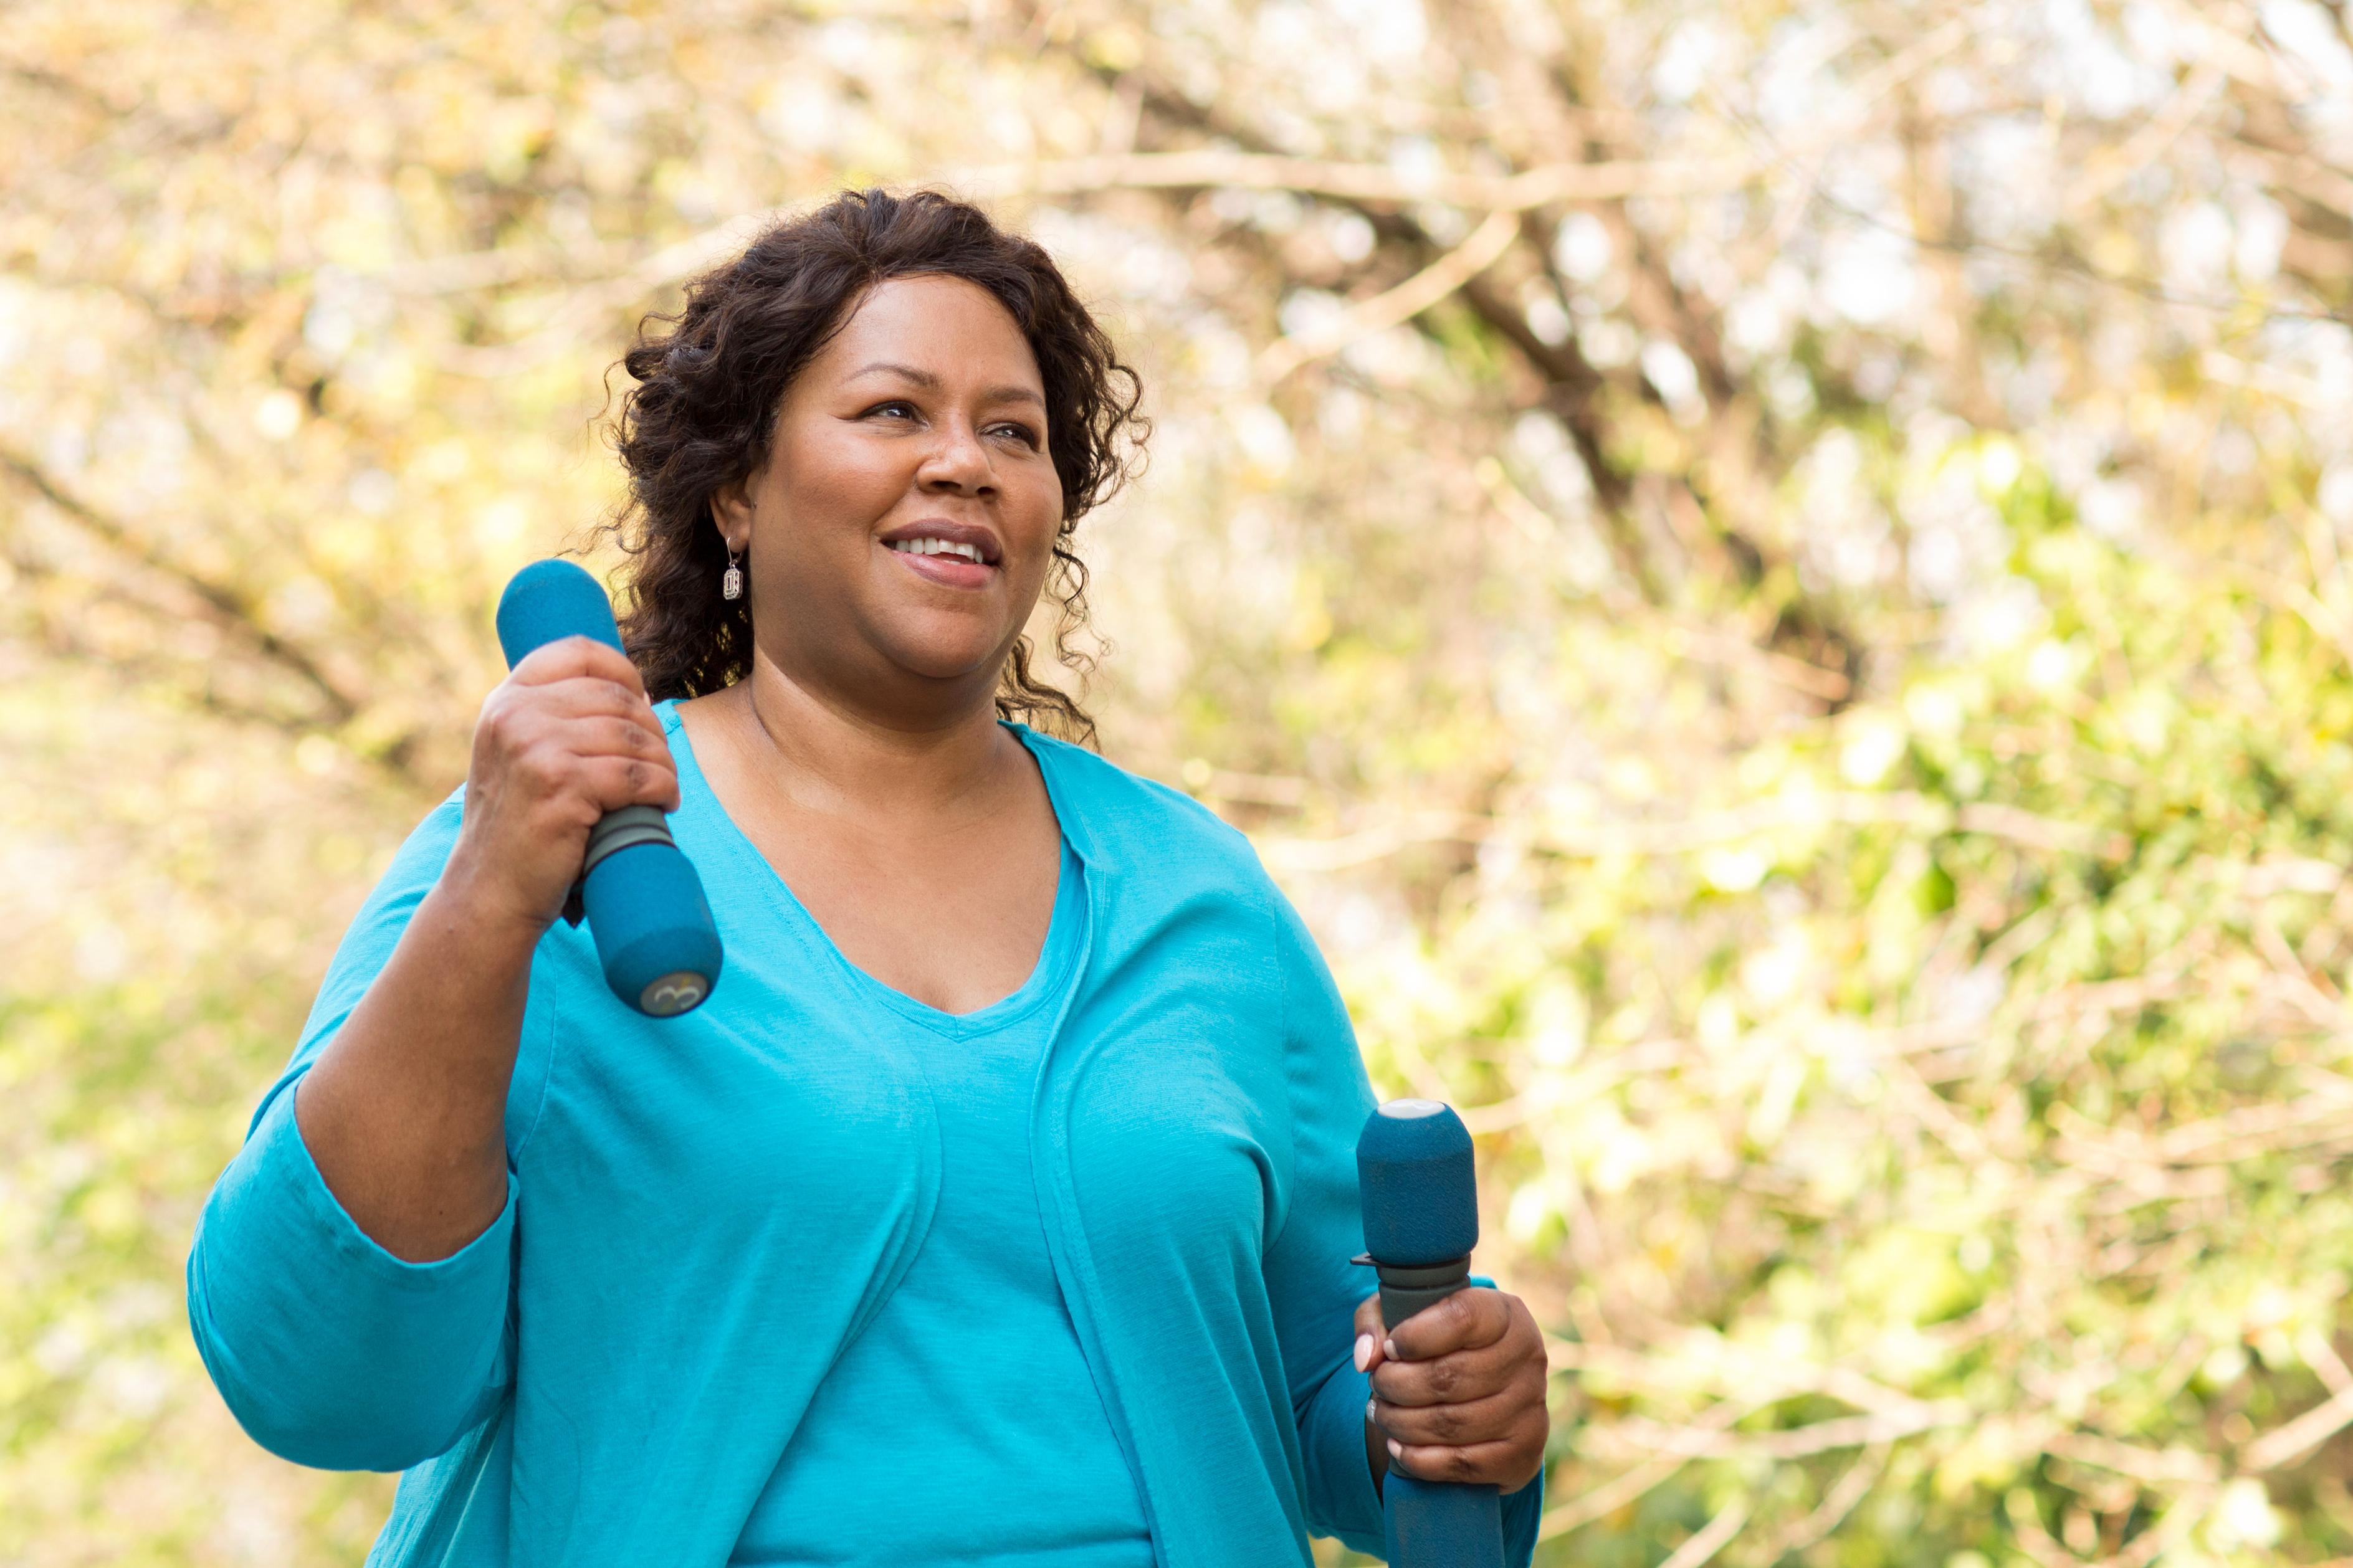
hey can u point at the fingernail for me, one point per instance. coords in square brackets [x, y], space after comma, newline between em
[1371, 1410]
[1388, 1349]
[1397, 1451]
[1364, 1351]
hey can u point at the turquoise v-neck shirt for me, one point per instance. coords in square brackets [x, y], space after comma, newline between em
[707, 1215]
[971, 1376]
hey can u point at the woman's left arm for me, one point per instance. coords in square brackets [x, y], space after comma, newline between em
[1318, 1295]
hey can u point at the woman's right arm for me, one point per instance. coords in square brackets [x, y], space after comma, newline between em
[404, 1112]
[348, 1284]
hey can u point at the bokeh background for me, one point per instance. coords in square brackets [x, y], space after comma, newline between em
[1772, 575]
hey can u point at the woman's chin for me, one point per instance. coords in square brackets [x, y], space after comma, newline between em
[947, 659]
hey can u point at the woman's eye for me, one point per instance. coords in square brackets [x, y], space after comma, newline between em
[897, 406]
[1021, 432]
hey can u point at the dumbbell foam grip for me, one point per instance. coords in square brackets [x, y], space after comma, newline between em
[656, 940]
[653, 930]
[550, 600]
[1418, 1187]
[1419, 1190]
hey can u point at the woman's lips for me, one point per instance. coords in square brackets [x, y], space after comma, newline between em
[948, 570]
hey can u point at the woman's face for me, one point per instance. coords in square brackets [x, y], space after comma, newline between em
[902, 528]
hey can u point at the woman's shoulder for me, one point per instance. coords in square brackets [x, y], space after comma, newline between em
[1120, 817]
[416, 863]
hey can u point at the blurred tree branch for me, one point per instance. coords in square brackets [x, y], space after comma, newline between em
[225, 604]
[1398, 305]
[1369, 183]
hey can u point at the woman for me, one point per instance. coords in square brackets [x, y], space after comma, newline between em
[997, 1207]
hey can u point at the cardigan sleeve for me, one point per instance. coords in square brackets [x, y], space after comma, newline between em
[329, 1350]
[1312, 1285]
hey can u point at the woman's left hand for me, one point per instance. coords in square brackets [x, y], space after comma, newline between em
[1458, 1390]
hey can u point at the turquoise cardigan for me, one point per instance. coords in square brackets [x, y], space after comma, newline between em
[702, 1211]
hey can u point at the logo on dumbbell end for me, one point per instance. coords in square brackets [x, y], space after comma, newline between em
[672, 995]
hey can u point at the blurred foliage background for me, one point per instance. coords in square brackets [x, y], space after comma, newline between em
[1771, 575]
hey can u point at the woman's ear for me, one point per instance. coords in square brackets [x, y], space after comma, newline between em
[731, 513]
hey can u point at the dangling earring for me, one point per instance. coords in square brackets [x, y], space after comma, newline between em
[731, 582]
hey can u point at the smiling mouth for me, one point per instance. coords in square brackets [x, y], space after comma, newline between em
[947, 547]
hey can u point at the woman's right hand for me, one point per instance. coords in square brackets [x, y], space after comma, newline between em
[566, 738]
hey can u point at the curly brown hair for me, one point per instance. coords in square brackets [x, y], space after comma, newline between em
[709, 379]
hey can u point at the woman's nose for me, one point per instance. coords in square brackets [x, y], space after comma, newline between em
[957, 460]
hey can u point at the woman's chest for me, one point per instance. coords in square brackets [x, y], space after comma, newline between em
[765, 1120]
[792, 1117]
[1169, 1114]
[948, 904]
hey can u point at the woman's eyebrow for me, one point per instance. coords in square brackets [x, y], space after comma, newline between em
[922, 378]
[930, 383]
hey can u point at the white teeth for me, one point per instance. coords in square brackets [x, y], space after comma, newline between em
[928, 546]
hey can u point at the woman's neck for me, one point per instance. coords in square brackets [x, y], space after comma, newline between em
[832, 757]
